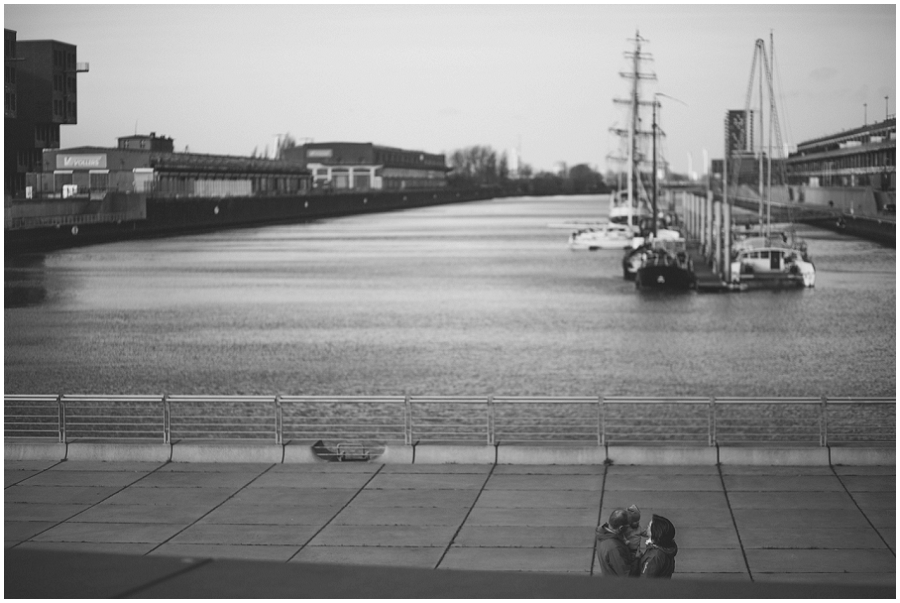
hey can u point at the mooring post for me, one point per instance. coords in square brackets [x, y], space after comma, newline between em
[167, 420]
[61, 409]
[490, 421]
[407, 427]
[823, 423]
[279, 421]
[712, 421]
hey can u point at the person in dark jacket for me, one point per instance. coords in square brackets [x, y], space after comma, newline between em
[658, 560]
[613, 555]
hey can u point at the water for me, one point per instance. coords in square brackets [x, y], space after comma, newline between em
[470, 299]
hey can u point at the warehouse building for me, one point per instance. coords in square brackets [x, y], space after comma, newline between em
[366, 166]
[148, 164]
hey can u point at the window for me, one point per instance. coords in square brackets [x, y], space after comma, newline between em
[99, 181]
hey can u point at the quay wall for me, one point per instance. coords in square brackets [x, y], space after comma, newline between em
[165, 216]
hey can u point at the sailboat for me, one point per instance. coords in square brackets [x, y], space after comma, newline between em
[665, 263]
[765, 258]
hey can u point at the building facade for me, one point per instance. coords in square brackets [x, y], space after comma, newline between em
[147, 164]
[862, 157]
[366, 166]
[41, 94]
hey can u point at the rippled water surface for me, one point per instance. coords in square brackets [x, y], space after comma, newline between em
[479, 298]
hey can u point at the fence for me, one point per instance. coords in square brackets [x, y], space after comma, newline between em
[455, 419]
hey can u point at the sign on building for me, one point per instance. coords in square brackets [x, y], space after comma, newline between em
[80, 162]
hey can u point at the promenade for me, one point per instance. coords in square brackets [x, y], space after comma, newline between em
[737, 524]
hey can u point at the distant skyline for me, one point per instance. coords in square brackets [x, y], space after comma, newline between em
[227, 79]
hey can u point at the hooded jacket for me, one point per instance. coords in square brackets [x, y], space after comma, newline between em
[658, 561]
[613, 556]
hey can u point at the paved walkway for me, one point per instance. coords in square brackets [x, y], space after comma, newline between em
[744, 523]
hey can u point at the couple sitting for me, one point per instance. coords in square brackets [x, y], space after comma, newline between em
[619, 546]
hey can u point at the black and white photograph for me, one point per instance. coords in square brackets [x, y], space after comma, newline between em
[455, 301]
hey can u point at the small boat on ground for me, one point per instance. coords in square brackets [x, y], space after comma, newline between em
[665, 264]
[606, 236]
[771, 262]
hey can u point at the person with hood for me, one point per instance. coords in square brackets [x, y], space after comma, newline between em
[658, 560]
[613, 555]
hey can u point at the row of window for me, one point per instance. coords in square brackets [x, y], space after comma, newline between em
[60, 82]
[9, 103]
[876, 159]
[63, 59]
[9, 48]
[63, 108]
[9, 75]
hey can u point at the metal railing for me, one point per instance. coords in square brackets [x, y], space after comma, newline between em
[455, 419]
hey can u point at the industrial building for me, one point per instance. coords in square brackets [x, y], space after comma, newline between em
[148, 164]
[366, 166]
[40, 95]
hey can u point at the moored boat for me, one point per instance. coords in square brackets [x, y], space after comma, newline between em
[665, 264]
[771, 262]
[605, 236]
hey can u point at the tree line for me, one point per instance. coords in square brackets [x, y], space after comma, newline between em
[480, 166]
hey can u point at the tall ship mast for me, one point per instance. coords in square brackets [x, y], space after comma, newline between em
[633, 203]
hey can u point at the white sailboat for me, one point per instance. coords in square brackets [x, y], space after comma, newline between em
[768, 259]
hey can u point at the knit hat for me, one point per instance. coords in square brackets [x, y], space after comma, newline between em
[634, 514]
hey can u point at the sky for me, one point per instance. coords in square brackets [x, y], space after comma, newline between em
[539, 79]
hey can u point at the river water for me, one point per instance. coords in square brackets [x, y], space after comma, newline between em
[471, 299]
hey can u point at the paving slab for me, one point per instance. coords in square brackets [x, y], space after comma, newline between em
[14, 477]
[40, 511]
[882, 518]
[307, 497]
[664, 499]
[116, 548]
[830, 561]
[400, 481]
[500, 516]
[226, 551]
[754, 537]
[870, 483]
[433, 468]
[706, 538]
[169, 496]
[545, 482]
[401, 516]
[283, 479]
[549, 470]
[769, 483]
[796, 521]
[28, 465]
[334, 535]
[234, 513]
[664, 483]
[777, 470]
[326, 467]
[17, 531]
[112, 479]
[704, 560]
[418, 557]
[110, 532]
[57, 494]
[295, 535]
[860, 578]
[182, 467]
[889, 535]
[525, 536]
[184, 479]
[539, 499]
[117, 466]
[683, 518]
[791, 500]
[415, 498]
[567, 560]
[875, 500]
[664, 470]
[171, 514]
[865, 469]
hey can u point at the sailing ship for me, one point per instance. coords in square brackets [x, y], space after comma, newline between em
[765, 259]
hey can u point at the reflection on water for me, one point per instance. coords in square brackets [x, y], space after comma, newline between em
[477, 298]
[23, 281]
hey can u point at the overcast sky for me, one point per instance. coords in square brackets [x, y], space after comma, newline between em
[225, 79]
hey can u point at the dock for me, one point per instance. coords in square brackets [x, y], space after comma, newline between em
[707, 281]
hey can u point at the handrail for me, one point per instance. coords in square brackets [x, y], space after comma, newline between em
[492, 420]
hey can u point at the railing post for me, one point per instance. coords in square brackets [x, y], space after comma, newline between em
[602, 426]
[407, 422]
[823, 423]
[167, 420]
[61, 409]
[490, 419]
[279, 421]
[712, 421]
